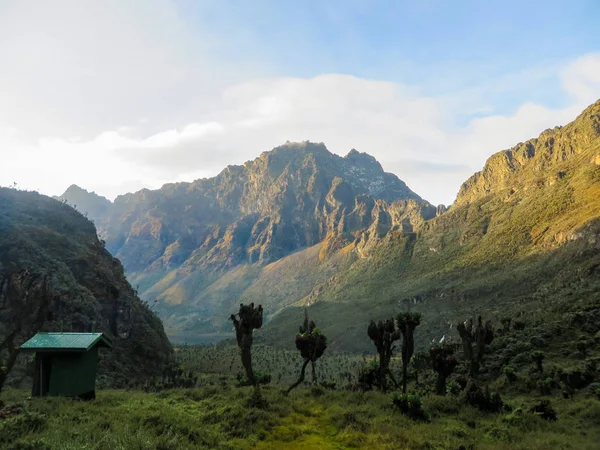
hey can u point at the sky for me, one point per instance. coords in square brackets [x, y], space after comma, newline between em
[120, 95]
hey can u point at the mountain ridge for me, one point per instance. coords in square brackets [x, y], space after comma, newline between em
[527, 203]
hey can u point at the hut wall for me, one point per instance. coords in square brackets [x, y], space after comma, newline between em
[74, 373]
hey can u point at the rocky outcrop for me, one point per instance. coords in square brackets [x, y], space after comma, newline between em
[531, 162]
[290, 198]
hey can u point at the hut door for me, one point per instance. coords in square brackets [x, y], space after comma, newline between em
[41, 375]
[46, 373]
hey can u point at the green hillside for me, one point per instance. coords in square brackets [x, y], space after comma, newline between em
[44, 236]
[521, 241]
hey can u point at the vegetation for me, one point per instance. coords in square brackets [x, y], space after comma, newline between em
[245, 322]
[384, 334]
[520, 244]
[443, 362]
[407, 322]
[25, 303]
[215, 415]
[311, 344]
[57, 276]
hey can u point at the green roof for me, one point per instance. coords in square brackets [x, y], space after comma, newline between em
[78, 342]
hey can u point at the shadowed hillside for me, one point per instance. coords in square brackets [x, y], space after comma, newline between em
[45, 236]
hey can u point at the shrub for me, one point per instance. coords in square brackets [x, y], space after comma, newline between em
[454, 388]
[482, 399]
[544, 410]
[410, 405]
[368, 376]
[261, 378]
[545, 386]
[510, 374]
[519, 325]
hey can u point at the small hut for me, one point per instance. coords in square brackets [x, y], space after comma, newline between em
[66, 363]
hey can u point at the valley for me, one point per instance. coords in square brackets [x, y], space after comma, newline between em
[300, 230]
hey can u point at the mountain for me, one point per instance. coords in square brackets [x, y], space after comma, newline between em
[45, 236]
[274, 227]
[521, 241]
[94, 206]
[300, 227]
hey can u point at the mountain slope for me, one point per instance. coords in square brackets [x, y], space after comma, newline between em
[43, 235]
[195, 249]
[522, 240]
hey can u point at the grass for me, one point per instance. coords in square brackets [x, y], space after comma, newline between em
[217, 417]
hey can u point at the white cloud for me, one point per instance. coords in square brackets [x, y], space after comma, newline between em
[116, 96]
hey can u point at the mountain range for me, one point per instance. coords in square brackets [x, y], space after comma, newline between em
[302, 227]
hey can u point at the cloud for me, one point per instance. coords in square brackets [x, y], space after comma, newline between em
[412, 135]
[117, 96]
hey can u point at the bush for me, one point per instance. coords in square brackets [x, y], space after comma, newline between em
[545, 386]
[519, 325]
[544, 410]
[454, 388]
[482, 399]
[261, 378]
[368, 375]
[410, 405]
[510, 374]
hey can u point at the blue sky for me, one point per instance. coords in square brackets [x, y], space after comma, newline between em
[444, 45]
[156, 91]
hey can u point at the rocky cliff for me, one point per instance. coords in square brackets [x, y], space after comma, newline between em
[186, 241]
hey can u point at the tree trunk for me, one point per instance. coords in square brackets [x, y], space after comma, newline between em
[301, 379]
[247, 357]
[404, 370]
[440, 387]
[314, 373]
[382, 371]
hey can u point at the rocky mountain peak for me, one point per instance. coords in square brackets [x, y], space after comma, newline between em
[91, 204]
[519, 167]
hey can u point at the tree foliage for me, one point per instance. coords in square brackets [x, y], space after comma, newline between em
[311, 344]
[245, 322]
[384, 334]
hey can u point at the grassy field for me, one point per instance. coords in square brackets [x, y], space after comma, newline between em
[218, 416]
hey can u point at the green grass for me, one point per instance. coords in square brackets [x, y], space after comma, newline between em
[217, 417]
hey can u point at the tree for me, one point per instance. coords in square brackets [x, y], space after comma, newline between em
[312, 345]
[443, 362]
[475, 342]
[384, 334]
[537, 357]
[407, 322]
[420, 362]
[25, 303]
[245, 322]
